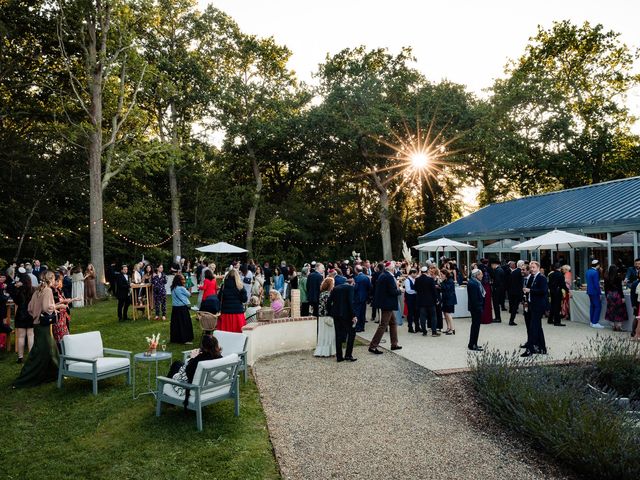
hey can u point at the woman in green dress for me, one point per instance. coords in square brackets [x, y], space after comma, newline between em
[42, 363]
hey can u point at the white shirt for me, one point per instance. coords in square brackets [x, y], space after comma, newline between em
[407, 286]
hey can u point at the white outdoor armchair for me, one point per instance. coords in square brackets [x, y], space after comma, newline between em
[214, 380]
[230, 342]
[83, 356]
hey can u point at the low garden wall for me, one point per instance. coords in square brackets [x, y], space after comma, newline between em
[279, 336]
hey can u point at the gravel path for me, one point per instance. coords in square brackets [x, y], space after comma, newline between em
[380, 417]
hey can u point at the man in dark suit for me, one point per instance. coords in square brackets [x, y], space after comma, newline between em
[475, 299]
[341, 308]
[634, 305]
[514, 289]
[361, 295]
[426, 297]
[386, 299]
[498, 284]
[557, 286]
[123, 287]
[314, 280]
[266, 271]
[536, 292]
[374, 278]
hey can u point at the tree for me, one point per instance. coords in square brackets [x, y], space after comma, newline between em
[565, 97]
[366, 95]
[97, 46]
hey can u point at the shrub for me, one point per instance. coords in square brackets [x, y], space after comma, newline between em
[616, 366]
[554, 407]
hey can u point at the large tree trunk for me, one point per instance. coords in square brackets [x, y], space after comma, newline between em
[385, 227]
[173, 188]
[251, 221]
[96, 232]
[175, 210]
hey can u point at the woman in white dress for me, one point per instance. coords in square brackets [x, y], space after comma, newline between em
[326, 333]
[77, 287]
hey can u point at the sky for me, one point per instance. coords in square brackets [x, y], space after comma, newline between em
[464, 41]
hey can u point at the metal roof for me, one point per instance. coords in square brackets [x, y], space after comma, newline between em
[604, 207]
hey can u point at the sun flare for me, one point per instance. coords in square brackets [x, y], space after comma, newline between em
[419, 160]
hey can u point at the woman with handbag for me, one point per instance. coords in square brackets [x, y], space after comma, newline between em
[42, 363]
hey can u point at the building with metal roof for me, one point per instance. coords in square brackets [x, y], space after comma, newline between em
[607, 210]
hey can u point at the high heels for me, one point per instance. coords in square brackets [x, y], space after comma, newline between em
[450, 332]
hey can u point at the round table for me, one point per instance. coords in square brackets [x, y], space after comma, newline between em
[143, 358]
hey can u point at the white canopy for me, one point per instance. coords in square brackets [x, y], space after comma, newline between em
[221, 247]
[560, 240]
[445, 244]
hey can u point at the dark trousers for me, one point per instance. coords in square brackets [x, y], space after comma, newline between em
[536, 341]
[476, 319]
[304, 309]
[313, 308]
[123, 307]
[345, 331]
[498, 300]
[412, 313]
[439, 316]
[361, 313]
[514, 303]
[556, 302]
[428, 313]
[373, 313]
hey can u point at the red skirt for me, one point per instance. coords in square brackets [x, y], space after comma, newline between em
[231, 322]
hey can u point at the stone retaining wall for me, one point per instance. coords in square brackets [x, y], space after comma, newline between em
[279, 336]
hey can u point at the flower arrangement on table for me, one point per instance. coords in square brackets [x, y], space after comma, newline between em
[153, 341]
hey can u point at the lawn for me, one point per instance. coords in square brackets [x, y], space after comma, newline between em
[69, 433]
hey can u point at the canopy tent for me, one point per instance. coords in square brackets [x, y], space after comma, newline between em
[560, 240]
[445, 244]
[221, 247]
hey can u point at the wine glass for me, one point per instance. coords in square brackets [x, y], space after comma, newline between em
[164, 345]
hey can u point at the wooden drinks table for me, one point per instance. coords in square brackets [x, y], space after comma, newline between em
[141, 300]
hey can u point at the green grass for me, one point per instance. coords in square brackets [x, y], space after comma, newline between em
[69, 433]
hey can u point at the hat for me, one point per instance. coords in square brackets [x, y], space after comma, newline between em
[424, 269]
[313, 263]
[22, 270]
[387, 264]
[594, 262]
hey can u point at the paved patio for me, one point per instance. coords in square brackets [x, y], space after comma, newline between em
[449, 352]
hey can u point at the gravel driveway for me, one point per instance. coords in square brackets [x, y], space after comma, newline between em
[380, 417]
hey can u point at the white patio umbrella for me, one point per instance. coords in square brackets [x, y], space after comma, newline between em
[221, 247]
[560, 240]
[445, 244]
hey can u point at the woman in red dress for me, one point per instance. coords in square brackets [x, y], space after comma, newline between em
[209, 286]
[232, 297]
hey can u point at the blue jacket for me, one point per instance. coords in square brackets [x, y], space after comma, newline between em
[180, 297]
[425, 287]
[363, 288]
[593, 282]
[313, 287]
[386, 294]
[278, 283]
[474, 295]
[448, 288]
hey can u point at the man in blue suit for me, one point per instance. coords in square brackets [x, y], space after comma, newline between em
[536, 295]
[475, 299]
[593, 290]
[313, 288]
[362, 290]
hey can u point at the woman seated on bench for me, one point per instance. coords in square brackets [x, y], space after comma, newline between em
[184, 372]
[277, 303]
[252, 309]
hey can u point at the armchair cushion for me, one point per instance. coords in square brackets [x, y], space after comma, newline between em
[105, 364]
[83, 345]
[231, 342]
[208, 395]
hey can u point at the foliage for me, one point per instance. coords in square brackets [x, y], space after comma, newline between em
[555, 408]
[110, 435]
[617, 365]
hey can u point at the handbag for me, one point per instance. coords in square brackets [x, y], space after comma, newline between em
[47, 319]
